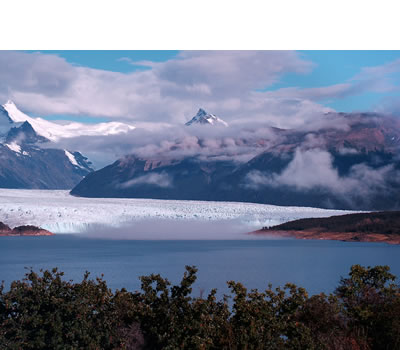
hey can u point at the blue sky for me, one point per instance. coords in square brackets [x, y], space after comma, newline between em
[282, 88]
[335, 67]
[113, 60]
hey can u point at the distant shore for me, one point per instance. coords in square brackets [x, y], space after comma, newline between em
[26, 230]
[31, 234]
[336, 236]
[382, 227]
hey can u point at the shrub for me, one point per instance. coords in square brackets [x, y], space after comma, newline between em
[43, 311]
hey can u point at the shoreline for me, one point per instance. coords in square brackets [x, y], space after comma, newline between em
[25, 230]
[336, 236]
[30, 234]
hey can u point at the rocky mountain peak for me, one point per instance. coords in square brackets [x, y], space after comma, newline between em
[205, 118]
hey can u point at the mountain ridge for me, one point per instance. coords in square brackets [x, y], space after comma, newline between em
[349, 166]
[30, 160]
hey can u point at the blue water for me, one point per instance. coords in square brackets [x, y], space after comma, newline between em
[315, 265]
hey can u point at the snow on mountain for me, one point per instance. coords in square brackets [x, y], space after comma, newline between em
[205, 118]
[24, 163]
[14, 147]
[53, 131]
[59, 212]
[72, 158]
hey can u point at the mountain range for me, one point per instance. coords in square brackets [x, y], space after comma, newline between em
[30, 157]
[343, 161]
[350, 162]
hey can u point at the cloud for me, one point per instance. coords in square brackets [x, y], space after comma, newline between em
[313, 169]
[162, 180]
[228, 83]
[171, 91]
[165, 229]
[234, 143]
[307, 169]
[282, 112]
[239, 142]
[158, 99]
[379, 79]
[314, 94]
[229, 73]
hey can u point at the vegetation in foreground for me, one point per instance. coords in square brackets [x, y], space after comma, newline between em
[44, 311]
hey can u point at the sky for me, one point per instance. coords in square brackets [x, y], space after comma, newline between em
[279, 88]
[158, 91]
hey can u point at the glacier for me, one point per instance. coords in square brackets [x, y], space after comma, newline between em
[59, 212]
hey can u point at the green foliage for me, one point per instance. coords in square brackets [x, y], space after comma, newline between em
[371, 304]
[43, 311]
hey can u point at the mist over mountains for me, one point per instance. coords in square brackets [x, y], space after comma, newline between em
[344, 161]
[341, 160]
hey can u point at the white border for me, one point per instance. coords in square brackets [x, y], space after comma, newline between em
[201, 24]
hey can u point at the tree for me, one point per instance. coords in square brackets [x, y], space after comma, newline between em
[371, 304]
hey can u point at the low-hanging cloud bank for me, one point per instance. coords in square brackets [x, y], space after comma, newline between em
[312, 169]
[164, 229]
[238, 142]
[162, 180]
[234, 143]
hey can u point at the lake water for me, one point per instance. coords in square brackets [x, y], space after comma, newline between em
[315, 265]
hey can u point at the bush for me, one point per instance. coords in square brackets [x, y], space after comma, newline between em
[43, 311]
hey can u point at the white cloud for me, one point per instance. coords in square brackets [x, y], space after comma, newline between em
[309, 169]
[162, 180]
[175, 142]
[373, 79]
[313, 169]
[170, 91]
[227, 83]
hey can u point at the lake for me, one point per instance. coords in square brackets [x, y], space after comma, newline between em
[315, 265]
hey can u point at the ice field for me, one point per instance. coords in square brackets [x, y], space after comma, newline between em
[60, 212]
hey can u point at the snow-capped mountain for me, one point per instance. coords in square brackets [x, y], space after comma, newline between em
[205, 118]
[11, 116]
[23, 165]
[30, 159]
[357, 167]
[24, 134]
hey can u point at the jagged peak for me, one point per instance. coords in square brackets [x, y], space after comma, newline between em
[201, 112]
[205, 118]
[24, 133]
